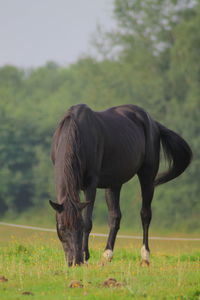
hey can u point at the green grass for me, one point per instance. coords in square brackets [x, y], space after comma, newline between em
[34, 262]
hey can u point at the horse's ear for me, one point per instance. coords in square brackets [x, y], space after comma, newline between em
[82, 205]
[58, 207]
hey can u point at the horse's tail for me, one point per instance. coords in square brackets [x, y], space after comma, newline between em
[176, 151]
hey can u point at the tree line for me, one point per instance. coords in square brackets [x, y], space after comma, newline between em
[151, 59]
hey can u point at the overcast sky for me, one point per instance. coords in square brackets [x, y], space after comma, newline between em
[33, 32]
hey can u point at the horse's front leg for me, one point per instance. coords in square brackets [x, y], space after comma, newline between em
[112, 199]
[90, 193]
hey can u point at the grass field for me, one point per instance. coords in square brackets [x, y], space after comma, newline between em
[35, 268]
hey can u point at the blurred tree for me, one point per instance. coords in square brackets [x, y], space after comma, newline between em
[156, 67]
[149, 21]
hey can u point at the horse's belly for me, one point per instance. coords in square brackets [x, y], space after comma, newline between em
[123, 154]
[108, 180]
[117, 172]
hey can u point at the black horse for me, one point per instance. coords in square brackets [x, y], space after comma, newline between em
[105, 149]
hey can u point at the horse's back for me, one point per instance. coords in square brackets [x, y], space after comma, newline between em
[114, 142]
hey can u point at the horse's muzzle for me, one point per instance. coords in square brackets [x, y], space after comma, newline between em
[75, 260]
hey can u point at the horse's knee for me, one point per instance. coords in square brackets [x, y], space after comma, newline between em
[146, 215]
[114, 220]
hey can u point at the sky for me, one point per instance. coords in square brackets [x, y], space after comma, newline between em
[33, 32]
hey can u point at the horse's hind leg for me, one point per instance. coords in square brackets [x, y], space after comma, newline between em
[147, 188]
[112, 199]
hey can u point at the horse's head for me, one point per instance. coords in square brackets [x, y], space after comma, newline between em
[70, 231]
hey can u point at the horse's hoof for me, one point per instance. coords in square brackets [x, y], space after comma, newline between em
[145, 254]
[145, 263]
[108, 255]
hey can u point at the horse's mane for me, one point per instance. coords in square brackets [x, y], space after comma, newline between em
[66, 152]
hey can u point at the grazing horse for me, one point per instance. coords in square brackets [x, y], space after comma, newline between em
[105, 149]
